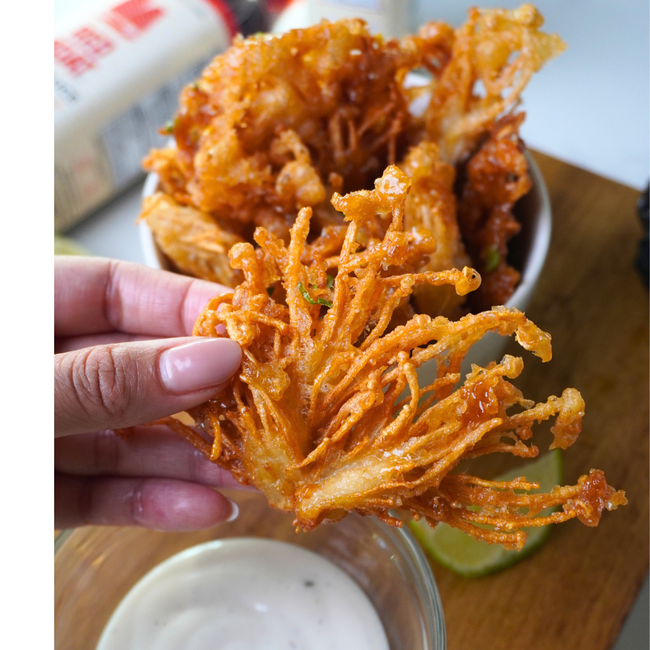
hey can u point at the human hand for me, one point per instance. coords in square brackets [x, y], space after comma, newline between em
[115, 367]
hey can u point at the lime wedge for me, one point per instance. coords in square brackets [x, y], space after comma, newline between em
[472, 558]
[67, 246]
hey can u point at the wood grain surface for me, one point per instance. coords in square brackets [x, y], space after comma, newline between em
[577, 590]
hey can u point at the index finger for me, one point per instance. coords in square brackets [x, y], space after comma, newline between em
[93, 295]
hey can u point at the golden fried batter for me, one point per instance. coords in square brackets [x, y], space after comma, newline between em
[317, 420]
[278, 123]
[495, 178]
[492, 58]
[431, 206]
[191, 238]
[335, 87]
[336, 320]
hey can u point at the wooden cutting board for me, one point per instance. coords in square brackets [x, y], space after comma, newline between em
[578, 589]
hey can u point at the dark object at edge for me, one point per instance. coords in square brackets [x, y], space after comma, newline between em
[251, 16]
[643, 254]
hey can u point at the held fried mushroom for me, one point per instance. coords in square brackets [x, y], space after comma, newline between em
[327, 415]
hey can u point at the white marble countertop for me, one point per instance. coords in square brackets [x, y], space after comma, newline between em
[590, 107]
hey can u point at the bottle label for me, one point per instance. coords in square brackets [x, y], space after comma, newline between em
[118, 75]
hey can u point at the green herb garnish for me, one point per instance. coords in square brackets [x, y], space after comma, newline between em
[168, 129]
[492, 258]
[305, 294]
[310, 300]
[330, 281]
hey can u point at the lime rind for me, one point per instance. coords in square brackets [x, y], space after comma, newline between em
[473, 562]
[547, 470]
[67, 246]
[472, 558]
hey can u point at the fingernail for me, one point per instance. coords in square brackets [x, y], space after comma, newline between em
[234, 511]
[204, 363]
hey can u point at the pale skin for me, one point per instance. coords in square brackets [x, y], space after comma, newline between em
[124, 357]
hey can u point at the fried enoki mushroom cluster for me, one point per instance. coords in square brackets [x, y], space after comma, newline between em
[317, 418]
[278, 123]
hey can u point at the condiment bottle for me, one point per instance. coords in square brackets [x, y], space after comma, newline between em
[118, 73]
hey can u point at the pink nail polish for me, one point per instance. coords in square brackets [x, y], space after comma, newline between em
[204, 363]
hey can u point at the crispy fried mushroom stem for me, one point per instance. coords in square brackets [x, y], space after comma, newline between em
[316, 419]
[493, 56]
[191, 239]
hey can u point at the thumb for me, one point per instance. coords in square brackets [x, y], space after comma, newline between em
[125, 384]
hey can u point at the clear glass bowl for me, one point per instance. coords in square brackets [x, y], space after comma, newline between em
[95, 567]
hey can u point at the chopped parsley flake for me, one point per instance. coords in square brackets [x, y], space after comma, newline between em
[492, 258]
[310, 300]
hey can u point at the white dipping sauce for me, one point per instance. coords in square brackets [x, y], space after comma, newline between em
[245, 594]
